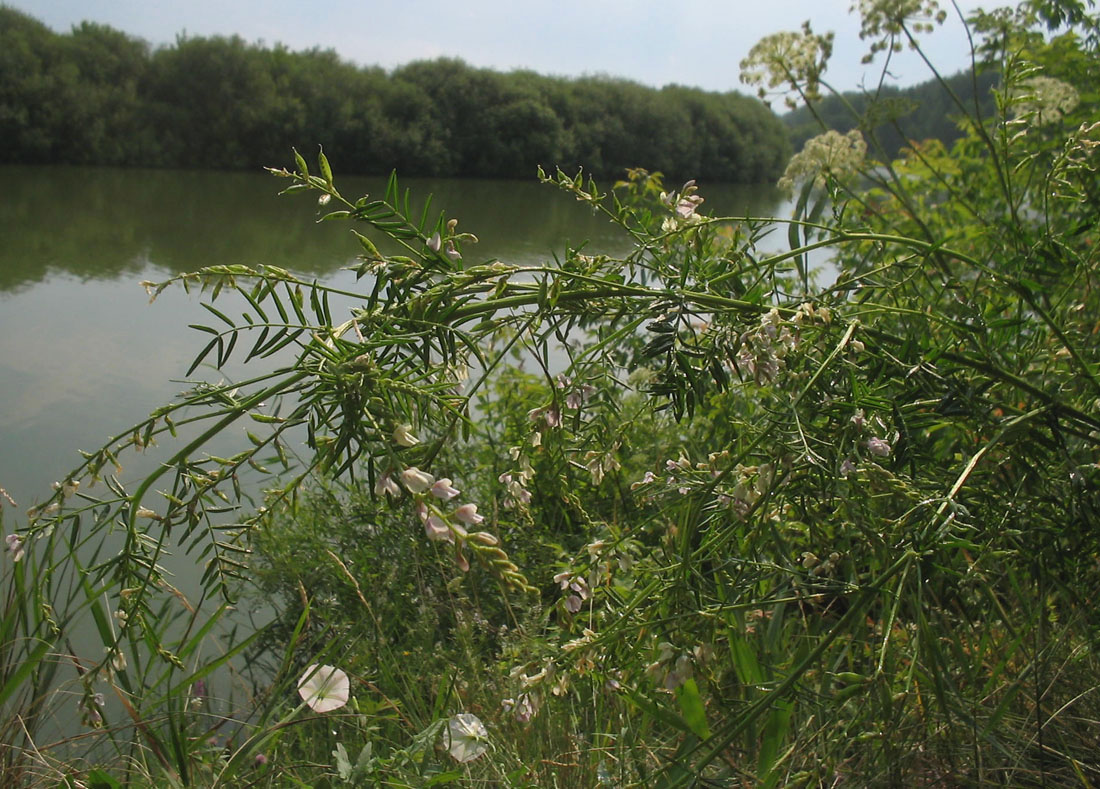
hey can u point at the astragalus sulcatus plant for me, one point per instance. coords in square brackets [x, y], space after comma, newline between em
[745, 523]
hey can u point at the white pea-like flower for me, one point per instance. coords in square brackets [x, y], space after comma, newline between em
[467, 513]
[443, 489]
[878, 447]
[417, 481]
[15, 547]
[403, 436]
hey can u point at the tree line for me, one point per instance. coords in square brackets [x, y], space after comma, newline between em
[898, 115]
[97, 95]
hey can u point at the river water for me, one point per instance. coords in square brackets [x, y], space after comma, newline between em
[83, 354]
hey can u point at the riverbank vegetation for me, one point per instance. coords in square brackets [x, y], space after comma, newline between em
[694, 516]
[99, 96]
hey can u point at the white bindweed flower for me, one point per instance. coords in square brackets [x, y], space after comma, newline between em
[417, 481]
[15, 547]
[467, 737]
[324, 688]
[402, 436]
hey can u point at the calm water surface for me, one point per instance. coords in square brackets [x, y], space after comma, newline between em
[82, 352]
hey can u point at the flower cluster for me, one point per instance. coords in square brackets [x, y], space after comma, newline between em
[1043, 100]
[575, 396]
[764, 348]
[443, 523]
[683, 205]
[14, 544]
[671, 670]
[515, 482]
[749, 482]
[867, 433]
[830, 154]
[89, 708]
[599, 463]
[819, 567]
[524, 707]
[447, 245]
[794, 60]
[885, 20]
[575, 589]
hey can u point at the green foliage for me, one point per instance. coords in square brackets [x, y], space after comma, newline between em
[897, 116]
[98, 96]
[744, 522]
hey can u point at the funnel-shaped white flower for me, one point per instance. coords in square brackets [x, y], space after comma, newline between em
[324, 688]
[467, 737]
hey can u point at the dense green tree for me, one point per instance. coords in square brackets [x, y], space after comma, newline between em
[99, 96]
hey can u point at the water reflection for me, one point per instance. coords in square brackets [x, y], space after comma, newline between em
[97, 223]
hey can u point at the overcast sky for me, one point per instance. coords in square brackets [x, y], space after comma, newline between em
[657, 42]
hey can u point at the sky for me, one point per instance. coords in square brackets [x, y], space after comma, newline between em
[656, 42]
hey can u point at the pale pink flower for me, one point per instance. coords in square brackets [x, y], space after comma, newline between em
[442, 489]
[878, 447]
[15, 547]
[467, 513]
[436, 529]
[386, 485]
[435, 243]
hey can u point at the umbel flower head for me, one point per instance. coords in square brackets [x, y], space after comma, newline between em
[794, 60]
[831, 153]
[324, 688]
[885, 21]
[467, 737]
[1044, 99]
